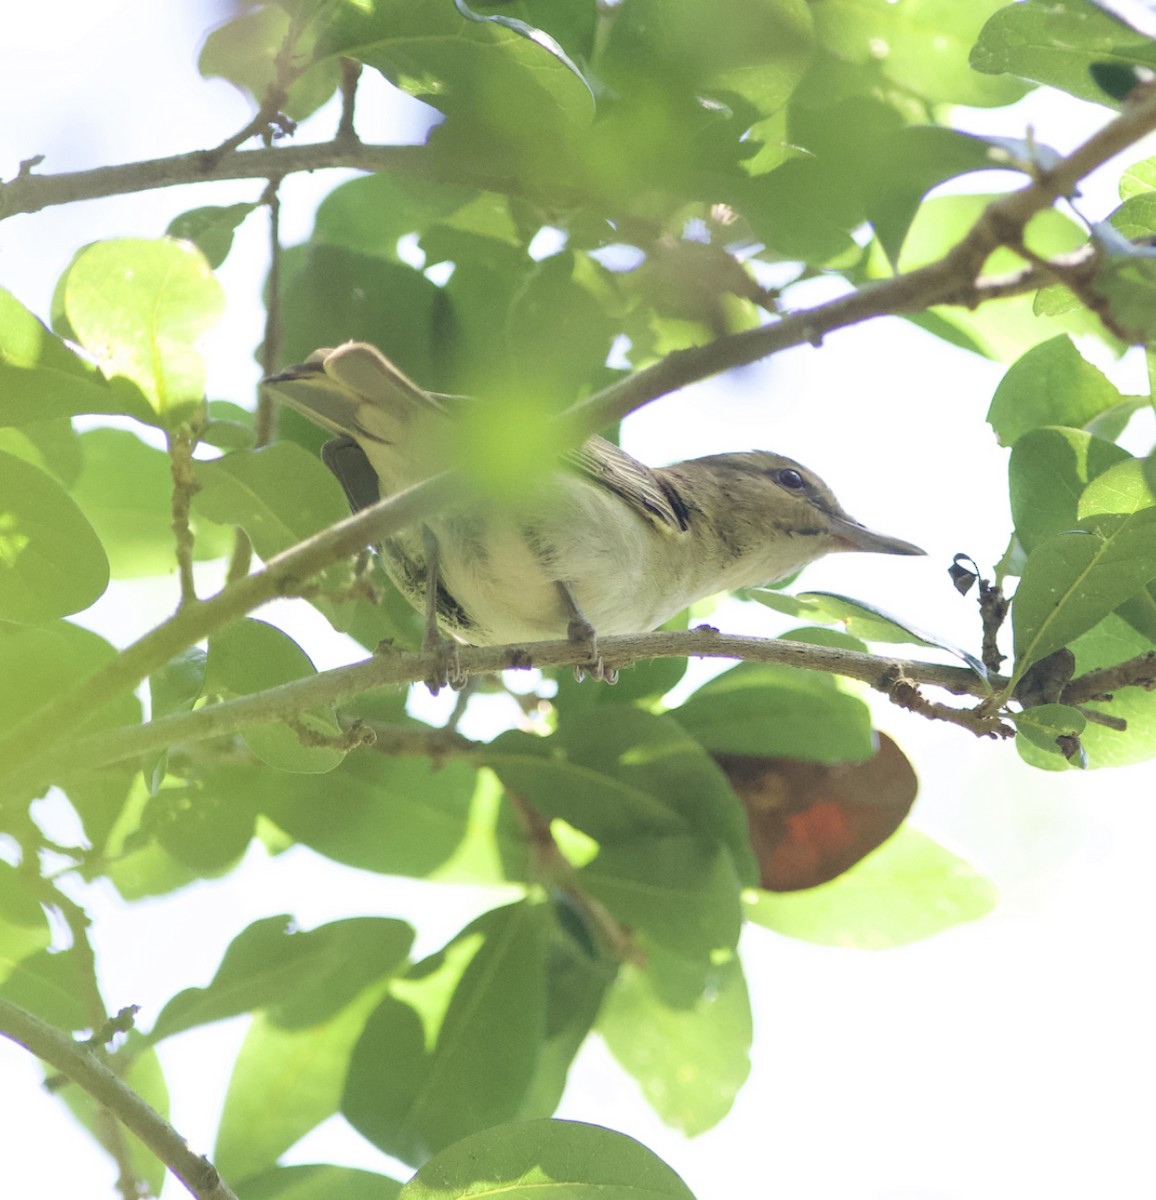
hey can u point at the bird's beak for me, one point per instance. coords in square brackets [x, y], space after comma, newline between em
[854, 536]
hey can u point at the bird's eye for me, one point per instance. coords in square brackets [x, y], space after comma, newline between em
[790, 479]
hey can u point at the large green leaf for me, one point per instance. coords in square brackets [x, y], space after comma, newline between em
[455, 1047]
[1048, 470]
[1056, 42]
[690, 1062]
[536, 1159]
[482, 73]
[1052, 384]
[775, 712]
[1073, 580]
[51, 561]
[399, 816]
[245, 52]
[898, 39]
[759, 53]
[140, 307]
[301, 978]
[37, 663]
[908, 889]
[279, 495]
[302, 1069]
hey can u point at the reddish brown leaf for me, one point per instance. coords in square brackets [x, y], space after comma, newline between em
[812, 821]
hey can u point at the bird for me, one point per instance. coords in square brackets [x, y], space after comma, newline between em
[600, 545]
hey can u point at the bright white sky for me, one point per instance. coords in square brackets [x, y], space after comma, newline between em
[1007, 1059]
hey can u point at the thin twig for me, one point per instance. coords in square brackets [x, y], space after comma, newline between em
[182, 443]
[266, 422]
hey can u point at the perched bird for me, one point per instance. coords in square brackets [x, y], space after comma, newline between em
[601, 545]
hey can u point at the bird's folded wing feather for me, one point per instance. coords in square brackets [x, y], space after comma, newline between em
[645, 491]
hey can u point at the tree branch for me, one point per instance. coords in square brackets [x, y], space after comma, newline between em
[954, 279]
[399, 667]
[79, 1064]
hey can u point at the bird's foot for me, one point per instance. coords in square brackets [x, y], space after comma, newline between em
[581, 633]
[447, 670]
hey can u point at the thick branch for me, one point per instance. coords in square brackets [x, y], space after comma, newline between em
[391, 669]
[79, 1064]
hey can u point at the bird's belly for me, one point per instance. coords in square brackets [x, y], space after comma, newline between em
[505, 572]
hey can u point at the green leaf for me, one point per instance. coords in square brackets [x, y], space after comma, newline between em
[125, 489]
[576, 980]
[1052, 384]
[1122, 488]
[482, 75]
[896, 38]
[333, 295]
[617, 773]
[908, 889]
[1057, 42]
[304, 1068]
[1043, 724]
[140, 307]
[244, 51]
[42, 379]
[280, 495]
[37, 663]
[51, 984]
[454, 1049]
[690, 1062]
[211, 228]
[252, 656]
[773, 712]
[1139, 179]
[177, 686]
[398, 816]
[1114, 641]
[1127, 275]
[370, 214]
[1048, 470]
[759, 54]
[532, 1159]
[301, 977]
[51, 561]
[311, 1180]
[51, 445]
[1072, 581]
[679, 893]
[23, 925]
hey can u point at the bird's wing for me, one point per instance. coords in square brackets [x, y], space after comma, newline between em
[646, 492]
